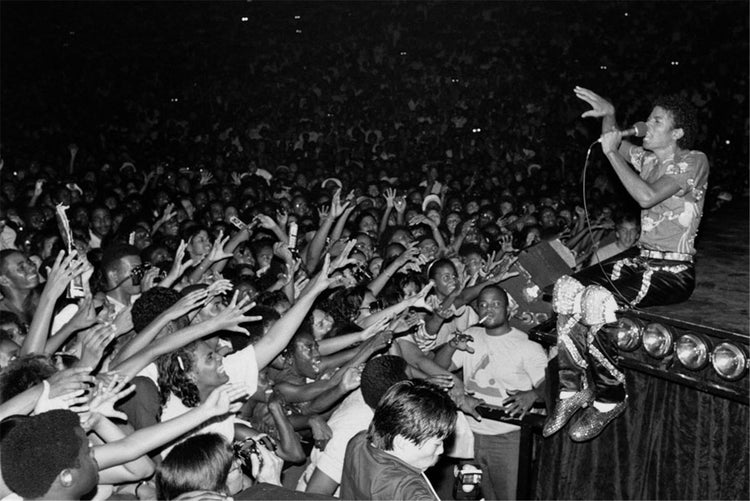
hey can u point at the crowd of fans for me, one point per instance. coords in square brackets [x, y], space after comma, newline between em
[223, 238]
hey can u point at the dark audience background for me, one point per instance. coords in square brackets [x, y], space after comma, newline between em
[155, 82]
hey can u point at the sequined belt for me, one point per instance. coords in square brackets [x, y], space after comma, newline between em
[648, 268]
[667, 256]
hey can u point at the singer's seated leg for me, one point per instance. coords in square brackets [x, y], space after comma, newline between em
[671, 282]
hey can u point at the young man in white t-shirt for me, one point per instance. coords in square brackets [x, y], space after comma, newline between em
[503, 368]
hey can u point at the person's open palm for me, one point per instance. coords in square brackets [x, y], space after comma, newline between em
[599, 106]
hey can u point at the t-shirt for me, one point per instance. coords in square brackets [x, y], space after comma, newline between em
[370, 473]
[671, 225]
[350, 417]
[499, 364]
[242, 368]
[143, 405]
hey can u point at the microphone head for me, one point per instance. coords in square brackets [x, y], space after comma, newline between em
[640, 129]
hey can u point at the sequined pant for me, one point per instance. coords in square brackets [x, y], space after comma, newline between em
[641, 281]
[588, 358]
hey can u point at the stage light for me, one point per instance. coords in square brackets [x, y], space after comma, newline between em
[628, 332]
[729, 361]
[712, 360]
[244, 19]
[692, 351]
[657, 340]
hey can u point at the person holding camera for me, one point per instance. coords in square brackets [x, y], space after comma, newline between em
[405, 438]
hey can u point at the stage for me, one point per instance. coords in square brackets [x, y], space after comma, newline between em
[681, 436]
[722, 264]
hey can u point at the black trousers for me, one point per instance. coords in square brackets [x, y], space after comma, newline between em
[666, 282]
[590, 358]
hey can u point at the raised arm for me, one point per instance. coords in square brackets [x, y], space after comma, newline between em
[270, 345]
[220, 253]
[84, 317]
[63, 271]
[600, 108]
[268, 223]
[318, 242]
[644, 193]
[179, 266]
[143, 441]
[338, 343]
[147, 335]
[376, 286]
[61, 384]
[348, 207]
[390, 198]
[228, 319]
[168, 214]
[397, 308]
[422, 219]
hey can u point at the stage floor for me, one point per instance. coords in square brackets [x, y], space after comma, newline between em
[722, 262]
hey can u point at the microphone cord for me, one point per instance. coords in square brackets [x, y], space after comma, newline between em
[588, 225]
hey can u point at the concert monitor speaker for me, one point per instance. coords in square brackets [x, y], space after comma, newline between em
[538, 268]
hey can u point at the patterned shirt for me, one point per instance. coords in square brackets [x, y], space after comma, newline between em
[671, 225]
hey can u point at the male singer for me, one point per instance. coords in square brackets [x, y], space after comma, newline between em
[669, 183]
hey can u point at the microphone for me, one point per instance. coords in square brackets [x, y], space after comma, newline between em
[638, 129]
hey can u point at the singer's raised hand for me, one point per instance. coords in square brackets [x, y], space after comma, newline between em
[600, 107]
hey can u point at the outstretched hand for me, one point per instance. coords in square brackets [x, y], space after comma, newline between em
[217, 252]
[226, 398]
[460, 341]
[179, 265]
[107, 393]
[343, 260]
[63, 271]
[600, 107]
[231, 317]
[337, 207]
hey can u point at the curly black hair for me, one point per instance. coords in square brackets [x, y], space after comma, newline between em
[151, 304]
[45, 444]
[684, 117]
[174, 369]
[23, 373]
[379, 375]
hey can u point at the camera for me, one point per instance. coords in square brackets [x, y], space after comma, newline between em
[468, 479]
[361, 274]
[138, 271]
[244, 450]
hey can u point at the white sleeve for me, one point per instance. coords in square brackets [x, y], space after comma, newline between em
[535, 363]
[242, 368]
